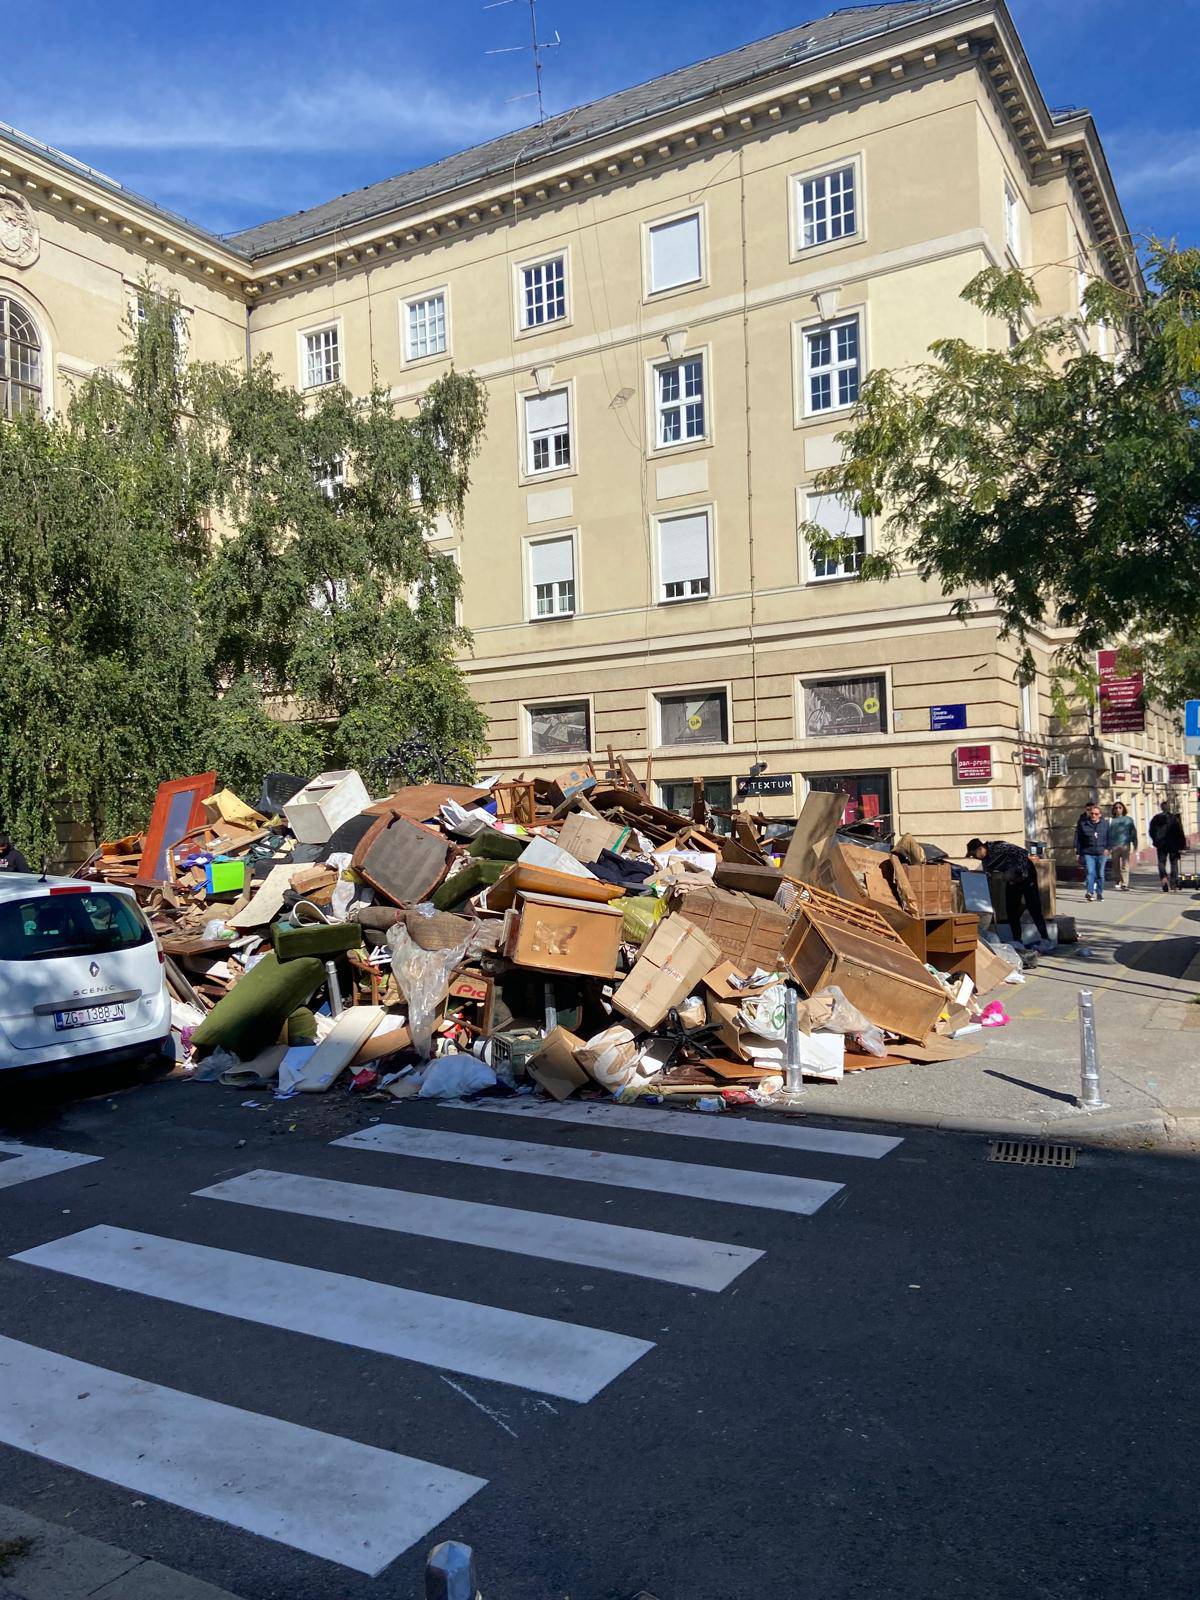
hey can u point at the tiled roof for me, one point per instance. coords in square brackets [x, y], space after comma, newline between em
[613, 112]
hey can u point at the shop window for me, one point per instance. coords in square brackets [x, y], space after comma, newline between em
[845, 707]
[678, 795]
[701, 717]
[868, 797]
[562, 729]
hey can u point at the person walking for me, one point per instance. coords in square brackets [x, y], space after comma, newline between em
[1169, 841]
[1021, 890]
[1091, 848]
[1122, 842]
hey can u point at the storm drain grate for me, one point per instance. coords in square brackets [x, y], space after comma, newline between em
[1028, 1153]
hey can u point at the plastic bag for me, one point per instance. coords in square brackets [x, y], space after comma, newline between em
[424, 979]
[610, 1058]
[639, 913]
[764, 1013]
[452, 1077]
[993, 1015]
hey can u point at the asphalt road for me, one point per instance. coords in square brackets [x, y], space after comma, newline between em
[953, 1378]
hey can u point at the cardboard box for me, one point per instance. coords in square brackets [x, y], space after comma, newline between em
[933, 889]
[554, 1066]
[747, 931]
[669, 966]
[559, 935]
[584, 837]
[870, 877]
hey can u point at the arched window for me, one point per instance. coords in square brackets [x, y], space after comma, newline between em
[20, 360]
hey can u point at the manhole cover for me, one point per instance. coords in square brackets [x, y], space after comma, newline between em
[1029, 1153]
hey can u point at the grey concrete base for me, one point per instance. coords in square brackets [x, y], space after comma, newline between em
[62, 1565]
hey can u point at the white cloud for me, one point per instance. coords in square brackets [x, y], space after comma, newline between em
[345, 114]
[1151, 163]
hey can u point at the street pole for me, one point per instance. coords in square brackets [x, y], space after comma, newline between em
[450, 1573]
[1089, 1055]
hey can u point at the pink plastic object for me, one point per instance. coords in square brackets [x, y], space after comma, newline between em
[993, 1015]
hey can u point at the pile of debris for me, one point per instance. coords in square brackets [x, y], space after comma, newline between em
[567, 934]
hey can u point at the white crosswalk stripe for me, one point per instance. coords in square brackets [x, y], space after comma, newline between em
[34, 1161]
[731, 1186]
[331, 1497]
[639, 1252]
[651, 1119]
[328, 1496]
[548, 1357]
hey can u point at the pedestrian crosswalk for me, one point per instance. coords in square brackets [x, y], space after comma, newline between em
[24, 1162]
[334, 1497]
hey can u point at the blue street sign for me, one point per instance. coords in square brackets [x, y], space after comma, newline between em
[947, 717]
[1191, 727]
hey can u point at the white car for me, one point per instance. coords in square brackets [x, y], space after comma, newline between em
[82, 981]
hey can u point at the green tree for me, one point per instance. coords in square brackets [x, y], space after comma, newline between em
[180, 592]
[1062, 483]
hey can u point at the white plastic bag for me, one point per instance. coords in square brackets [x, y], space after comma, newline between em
[765, 1013]
[452, 1077]
[610, 1058]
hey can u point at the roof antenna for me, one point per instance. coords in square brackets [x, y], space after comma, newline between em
[536, 45]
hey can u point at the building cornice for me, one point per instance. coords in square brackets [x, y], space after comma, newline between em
[81, 199]
[978, 35]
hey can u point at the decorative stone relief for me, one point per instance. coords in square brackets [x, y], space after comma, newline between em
[20, 241]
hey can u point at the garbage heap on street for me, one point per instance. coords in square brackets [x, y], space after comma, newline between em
[566, 936]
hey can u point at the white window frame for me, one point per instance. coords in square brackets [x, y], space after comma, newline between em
[855, 163]
[407, 305]
[805, 495]
[808, 330]
[47, 362]
[676, 514]
[1012, 220]
[528, 472]
[303, 335]
[657, 407]
[649, 228]
[683, 691]
[530, 264]
[827, 741]
[531, 601]
[332, 478]
[530, 706]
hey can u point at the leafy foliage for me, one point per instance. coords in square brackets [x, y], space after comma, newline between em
[180, 590]
[1063, 483]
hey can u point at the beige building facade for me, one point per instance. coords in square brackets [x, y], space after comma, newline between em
[673, 296]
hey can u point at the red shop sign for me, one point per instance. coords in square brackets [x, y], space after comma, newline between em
[1122, 699]
[1179, 772]
[973, 763]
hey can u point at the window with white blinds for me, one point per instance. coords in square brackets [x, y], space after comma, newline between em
[838, 518]
[552, 577]
[684, 558]
[675, 257]
[547, 431]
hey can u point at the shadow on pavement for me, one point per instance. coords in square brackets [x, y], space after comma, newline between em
[1023, 1083]
[29, 1104]
[1168, 958]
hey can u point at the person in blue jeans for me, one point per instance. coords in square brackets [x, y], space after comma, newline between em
[1092, 849]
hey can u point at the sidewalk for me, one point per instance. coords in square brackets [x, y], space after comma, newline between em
[1139, 953]
[61, 1565]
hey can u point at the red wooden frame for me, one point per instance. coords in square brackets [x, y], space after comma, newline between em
[170, 819]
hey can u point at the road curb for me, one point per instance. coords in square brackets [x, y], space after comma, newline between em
[1123, 1128]
[62, 1565]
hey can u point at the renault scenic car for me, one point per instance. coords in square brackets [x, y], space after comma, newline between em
[81, 976]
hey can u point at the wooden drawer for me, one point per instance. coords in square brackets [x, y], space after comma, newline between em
[951, 935]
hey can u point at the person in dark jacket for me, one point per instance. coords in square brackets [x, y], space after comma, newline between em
[1021, 891]
[1091, 848]
[1170, 841]
[11, 859]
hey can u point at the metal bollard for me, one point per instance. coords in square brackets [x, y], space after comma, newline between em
[794, 1083]
[1089, 1055]
[450, 1572]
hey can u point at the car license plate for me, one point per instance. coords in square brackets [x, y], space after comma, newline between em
[88, 1016]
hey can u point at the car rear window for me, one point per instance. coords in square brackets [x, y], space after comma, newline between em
[47, 925]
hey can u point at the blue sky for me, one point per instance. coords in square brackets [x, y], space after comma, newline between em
[233, 112]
